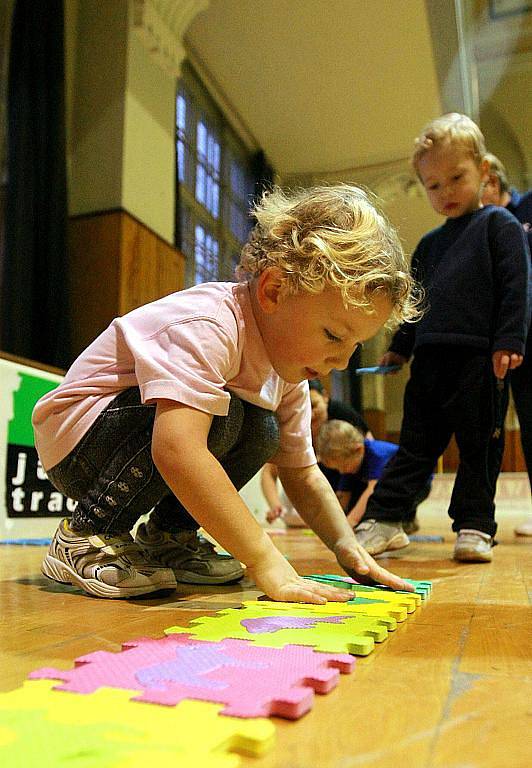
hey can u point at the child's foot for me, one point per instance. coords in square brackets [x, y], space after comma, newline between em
[473, 546]
[192, 558]
[377, 537]
[525, 529]
[411, 526]
[103, 565]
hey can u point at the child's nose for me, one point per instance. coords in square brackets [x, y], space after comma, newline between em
[340, 361]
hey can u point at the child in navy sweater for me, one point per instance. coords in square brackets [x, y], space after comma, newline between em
[475, 272]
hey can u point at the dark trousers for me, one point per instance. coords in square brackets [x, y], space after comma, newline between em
[521, 383]
[452, 390]
[112, 475]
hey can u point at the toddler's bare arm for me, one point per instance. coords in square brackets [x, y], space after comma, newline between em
[357, 512]
[268, 484]
[311, 494]
[196, 477]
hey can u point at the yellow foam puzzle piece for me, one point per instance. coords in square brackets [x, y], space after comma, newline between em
[354, 634]
[44, 727]
[388, 614]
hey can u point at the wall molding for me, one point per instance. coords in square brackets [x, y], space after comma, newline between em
[161, 25]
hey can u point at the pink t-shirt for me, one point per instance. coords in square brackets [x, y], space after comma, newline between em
[187, 347]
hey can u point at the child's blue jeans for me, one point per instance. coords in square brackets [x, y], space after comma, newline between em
[112, 475]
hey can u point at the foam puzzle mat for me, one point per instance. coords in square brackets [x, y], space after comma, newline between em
[173, 668]
[200, 695]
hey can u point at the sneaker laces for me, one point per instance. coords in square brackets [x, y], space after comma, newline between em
[117, 545]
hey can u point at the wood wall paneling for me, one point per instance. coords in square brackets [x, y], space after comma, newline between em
[116, 265]
[94, 244]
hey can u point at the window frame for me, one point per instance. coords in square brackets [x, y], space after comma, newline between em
[233, 203]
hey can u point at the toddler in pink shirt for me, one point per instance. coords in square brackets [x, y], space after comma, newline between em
[176, 405]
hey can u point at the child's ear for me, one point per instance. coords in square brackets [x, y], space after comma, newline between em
[270, 289]
[485, 171]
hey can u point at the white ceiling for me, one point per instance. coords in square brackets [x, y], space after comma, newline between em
[322, 85]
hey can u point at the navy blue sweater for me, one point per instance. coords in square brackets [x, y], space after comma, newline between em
[476, 274]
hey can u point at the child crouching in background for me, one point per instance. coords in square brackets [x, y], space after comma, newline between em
[360, 462]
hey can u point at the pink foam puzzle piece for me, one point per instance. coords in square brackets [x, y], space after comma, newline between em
[250, 680]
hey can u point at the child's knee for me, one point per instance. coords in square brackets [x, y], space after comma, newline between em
[264, 428]
[225, 430]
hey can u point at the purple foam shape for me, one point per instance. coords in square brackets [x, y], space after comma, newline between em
[276, 623]
[190, 667]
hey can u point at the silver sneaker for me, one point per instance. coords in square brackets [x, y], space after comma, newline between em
[473, 546]
[192, 558]
[103, 565]
[377, 537]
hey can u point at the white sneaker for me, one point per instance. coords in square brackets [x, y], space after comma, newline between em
[524, 529]
[473, 546]
[377, 537]
[103, 565]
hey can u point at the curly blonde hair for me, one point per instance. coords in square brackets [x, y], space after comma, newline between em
[331, 236]
[451, 128]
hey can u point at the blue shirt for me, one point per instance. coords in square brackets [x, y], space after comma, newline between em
[377, 454]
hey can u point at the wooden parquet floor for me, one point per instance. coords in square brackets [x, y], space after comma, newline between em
[452, 688]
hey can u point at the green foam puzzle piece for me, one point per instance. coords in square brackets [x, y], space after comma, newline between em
[47, 728]
[411, 599]
[354, 634]
[422, 588]
[408, 602]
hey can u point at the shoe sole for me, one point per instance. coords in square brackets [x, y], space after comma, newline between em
[399, 541]
[188, 577]
[56, 570]
[468, 556]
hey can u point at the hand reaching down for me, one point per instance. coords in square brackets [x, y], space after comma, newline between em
[360, 565]
[279, 581]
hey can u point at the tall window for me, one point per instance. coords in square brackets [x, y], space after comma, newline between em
[215, 185]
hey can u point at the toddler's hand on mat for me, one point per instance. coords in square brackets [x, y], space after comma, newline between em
[279, 581]
[360, 565]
